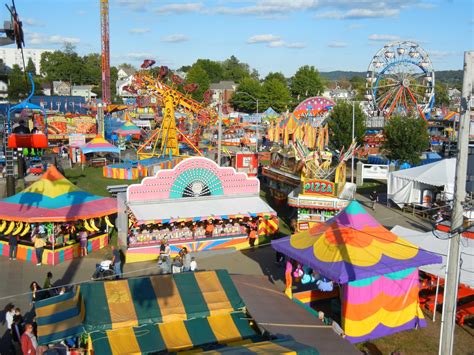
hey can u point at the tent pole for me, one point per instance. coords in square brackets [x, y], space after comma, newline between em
[436, 300]
[54, 242]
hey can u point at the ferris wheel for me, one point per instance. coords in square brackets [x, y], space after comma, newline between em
[400, 80]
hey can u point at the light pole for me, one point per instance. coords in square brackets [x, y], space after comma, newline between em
[353, 134]
[257, 123]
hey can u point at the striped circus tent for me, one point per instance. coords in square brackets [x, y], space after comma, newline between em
[377, 271]
[53, 198]
[99, 145]
[175, 336]
[136, 302]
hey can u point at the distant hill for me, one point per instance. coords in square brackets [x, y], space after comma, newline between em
[451, 78]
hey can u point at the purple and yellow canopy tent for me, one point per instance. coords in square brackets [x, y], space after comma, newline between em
[128, 129]
[376, 269]
[99, 145]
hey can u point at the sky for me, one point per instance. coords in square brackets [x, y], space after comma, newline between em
[269, 35]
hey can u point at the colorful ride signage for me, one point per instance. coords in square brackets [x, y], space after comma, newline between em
[319, 187]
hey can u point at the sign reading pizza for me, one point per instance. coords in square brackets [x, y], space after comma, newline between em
[319, 187]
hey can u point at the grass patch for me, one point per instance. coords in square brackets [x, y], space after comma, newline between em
[91, 180]
[371, 185]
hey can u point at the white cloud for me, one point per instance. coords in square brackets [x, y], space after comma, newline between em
[139, 55]
[274, 41]
[39, 38]
[355, 14]
[337, 44]
[135, 5]
[269, 7]
[81, 13]
[175, 38]
[32, 22]
[178, 8]
[443, 54]
[265, 38]
[139, 31]
[383, 38]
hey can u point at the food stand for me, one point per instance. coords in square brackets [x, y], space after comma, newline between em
[60, 208]
[197, 205]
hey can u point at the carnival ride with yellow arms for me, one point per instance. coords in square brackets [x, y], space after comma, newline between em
[164, 140]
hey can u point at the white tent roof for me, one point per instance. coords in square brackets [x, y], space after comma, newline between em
[427, 241]
[440, 173]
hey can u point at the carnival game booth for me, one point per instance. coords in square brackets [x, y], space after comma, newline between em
[133, 170]
[375, 271]
[197, 205]
[60, 208]
[194, 311]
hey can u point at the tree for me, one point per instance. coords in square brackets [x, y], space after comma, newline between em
[358, 84]
[236, 70]
[405, 138]
[306, 83]
[243, 102]
[126, 67]
[275, 94]
[91, 70]
[18, 87]
[30, 67]
[340, 124]
[214, 70]
[65, 66]
[199, 76]
[441, 95]
[277, 76]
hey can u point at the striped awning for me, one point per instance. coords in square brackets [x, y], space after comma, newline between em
[181, 335]
[277, 346]
[60, 317]
[99, 306]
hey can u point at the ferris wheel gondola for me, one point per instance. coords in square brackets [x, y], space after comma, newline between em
[400, 80]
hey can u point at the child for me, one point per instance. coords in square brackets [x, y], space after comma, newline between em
[193, 264]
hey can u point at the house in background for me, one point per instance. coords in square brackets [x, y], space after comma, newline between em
[84, 91]
[3, 89]
[222, 92]
[61, 88]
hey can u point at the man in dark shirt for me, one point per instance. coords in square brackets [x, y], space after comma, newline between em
[21, 128]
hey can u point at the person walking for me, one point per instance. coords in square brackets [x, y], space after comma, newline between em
[13, 244]
[47, 285]
[252, 237]
[116, 261]
[186, 260]
[39, 244]
[374, 197]
[29, 344]
[36, 292]
[83, 241]
[9, 314]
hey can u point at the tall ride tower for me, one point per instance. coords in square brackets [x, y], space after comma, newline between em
[104, 22]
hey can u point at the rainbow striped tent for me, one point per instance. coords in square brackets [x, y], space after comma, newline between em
[128, 129]
[99, 145]
[53, 198]
[377, 270]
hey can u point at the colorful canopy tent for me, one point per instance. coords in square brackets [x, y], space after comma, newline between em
[128, 129]
[53, 198]
[99, 145]
[377, 271]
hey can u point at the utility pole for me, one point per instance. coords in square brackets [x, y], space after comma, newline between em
[256, 131]
[219, 133]
[452, 274]
[353, 134]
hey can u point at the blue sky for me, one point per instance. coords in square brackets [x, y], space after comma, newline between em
[270, 35]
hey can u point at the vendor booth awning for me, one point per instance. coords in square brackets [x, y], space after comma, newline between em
[220, 207]
[405, 186]
[439, 245]
[99, 145]
[353, 246]
[53, 198]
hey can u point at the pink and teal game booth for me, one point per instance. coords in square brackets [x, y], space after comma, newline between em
[198, 205]
[61, 208]
[369, 271]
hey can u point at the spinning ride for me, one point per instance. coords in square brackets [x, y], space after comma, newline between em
[400, 80]
[144, 84]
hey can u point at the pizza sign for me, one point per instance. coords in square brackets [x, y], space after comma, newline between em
[319, 187]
